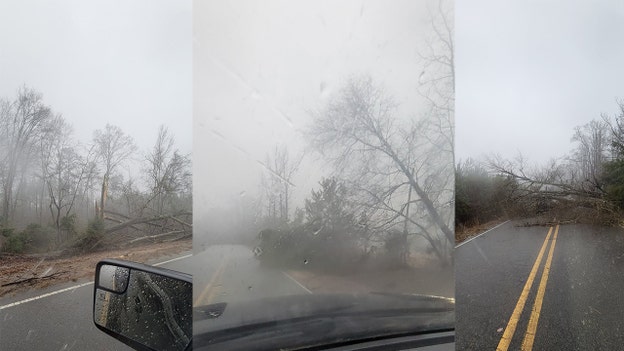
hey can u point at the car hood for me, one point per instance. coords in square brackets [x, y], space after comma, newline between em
[310, 320]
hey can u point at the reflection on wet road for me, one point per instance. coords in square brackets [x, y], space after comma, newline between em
[231, 273]
[541, 288]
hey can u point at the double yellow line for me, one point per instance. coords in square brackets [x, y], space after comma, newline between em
[212, 288]
[529, 336]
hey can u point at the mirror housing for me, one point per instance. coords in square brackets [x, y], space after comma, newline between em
[145, 307]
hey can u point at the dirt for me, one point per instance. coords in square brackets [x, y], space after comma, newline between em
[26, 272]
[464, 233]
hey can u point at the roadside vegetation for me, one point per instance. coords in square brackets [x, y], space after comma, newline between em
[60, 195]
[586, 185]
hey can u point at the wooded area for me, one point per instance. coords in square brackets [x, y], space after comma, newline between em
[586, 185]
[58, 192]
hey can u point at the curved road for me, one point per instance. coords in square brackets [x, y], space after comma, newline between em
[61, 320]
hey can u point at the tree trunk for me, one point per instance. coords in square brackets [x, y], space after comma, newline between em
[103, 196]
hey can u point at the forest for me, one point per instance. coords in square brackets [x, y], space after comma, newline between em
[58, 193]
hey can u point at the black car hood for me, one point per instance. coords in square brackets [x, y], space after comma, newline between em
[291, 322]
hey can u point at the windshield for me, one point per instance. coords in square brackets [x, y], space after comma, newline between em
[324, 157]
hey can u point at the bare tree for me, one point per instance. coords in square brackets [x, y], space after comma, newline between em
[276, 183]
[65, 173]
[21, 124]
[59, 161]
[114, 147]
[436, 82]
[394, 166]
[591, 152]
[168, 170]
[616, 126]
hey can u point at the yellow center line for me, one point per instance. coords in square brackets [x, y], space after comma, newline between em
[103, 317]
[505, 340]
[210, 287]
[529, 337]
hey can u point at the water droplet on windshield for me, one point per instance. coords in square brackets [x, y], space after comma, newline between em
[324, 90]
[421, 77]
[305, 261]
[249, 288]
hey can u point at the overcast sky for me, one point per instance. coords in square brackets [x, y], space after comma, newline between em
[127, 63]
[259, 66]
[528, 72]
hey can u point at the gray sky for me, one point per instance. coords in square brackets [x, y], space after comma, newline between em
[260, 65]
[127, 63]
[530, 71]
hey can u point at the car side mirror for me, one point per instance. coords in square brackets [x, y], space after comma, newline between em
[145, 307]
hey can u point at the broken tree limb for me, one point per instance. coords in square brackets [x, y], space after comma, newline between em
[119, 221]
[181, 237]
[157, 235]
[34, 278]
[137, 221]
[181, 222]
[107, 212]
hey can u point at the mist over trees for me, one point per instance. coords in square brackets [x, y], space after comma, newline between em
[391, 188]
[392, 183]
[276, 183]
[586, 185]
[57, 191]
[375, 181]
[399, 176]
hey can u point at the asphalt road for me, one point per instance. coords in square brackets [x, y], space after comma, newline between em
[573, 300]
[231, 273]
[60, 321]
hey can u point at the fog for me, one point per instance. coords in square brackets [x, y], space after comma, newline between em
[259, 69]
[98, 62]
[84, 89]
[280, 79]
[532, 71]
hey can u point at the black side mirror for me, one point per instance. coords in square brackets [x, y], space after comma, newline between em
[145, 307]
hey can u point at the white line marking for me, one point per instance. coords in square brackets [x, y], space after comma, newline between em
[474, 237]
[296, 282]
[76, 287]
[45, 295]
[450, 299]
[173, 259]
